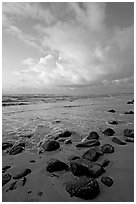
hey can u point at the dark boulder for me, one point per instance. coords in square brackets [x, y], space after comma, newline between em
[92, 135]
[65, 134]
[68, 141]
[89, 143]
[85, 188]
[92, 154]
[129, 133]
[105, 163]
[81, 167]
[129, 112]
[108, 132]
[107, 181]
[6, 145]
[56, 165]
[118, 141]
[113, 122]
[50, 145]
[22, 173]
[111, 111]
[107, 148]
[16, 150]
[5, 178]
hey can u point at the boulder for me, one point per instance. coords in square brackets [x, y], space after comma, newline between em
[129, 112]
[5, 178]
[6, 145]
[85, 188]
[129, 139]
[68, 141]
[81, 167]
[111, 111]
[92, 135]
[107, 148]
[108, 132]
[105, 163]
[92, 154]
[56, 165]
[22, 173]
[113, 122]
[129, 133]
[107, 181]
[89, 143]
[65, 134]
[16, 150]
[118, 141]
[50, 145]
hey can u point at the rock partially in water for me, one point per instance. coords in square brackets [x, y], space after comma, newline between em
[105, 163]
[129, 133]
[65, 134]
[113, 122]
[107, 148]
[129, 112]
[118, 141]
[107, 181]
[92, 135]
[68, 141]
[108, 132]
[22, 173]
[56, 165]
[85, 188]
[6, 145]
[89, 143]
[92, 154]
[129, 139]
[16, 150]
[5, 178]
[111, 111]
[50, 145]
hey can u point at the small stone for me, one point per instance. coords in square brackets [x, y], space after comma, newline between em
[56, 165]
[107, 181]
[107, 148]
[129, 133]
[92, 135]
[118, 141]
[12, 186]
[21, 174]
[50, 145]
[68, 141]
[32, 161]
[40, 193]
[105, 163]
[89, 143]
[6, 145]
[108, 132]
[16, 150]
[111, 111]
[113, 122]
[29, 191]
[92, 154]
[65, 134]
[86, 188]
[5, 178]
[129, 139]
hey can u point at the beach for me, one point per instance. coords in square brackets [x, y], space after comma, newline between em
[32, 119]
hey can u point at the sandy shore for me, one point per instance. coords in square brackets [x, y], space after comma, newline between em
[43, 186]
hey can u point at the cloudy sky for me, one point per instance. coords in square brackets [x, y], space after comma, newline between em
[67, 47]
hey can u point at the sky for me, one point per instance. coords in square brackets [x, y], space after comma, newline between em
[67, 47]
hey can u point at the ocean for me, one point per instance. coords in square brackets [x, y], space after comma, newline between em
[31, 118]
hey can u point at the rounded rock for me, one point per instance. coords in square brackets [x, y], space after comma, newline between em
[107, 148]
